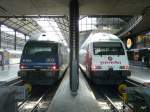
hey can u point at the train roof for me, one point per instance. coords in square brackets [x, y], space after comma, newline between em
[44, 41]
[41, 41]
[101, 37]
[94, 37]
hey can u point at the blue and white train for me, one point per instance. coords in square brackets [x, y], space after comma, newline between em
[43, 62]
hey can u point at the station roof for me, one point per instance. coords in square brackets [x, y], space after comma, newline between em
[144, 25]
[26, 26]
[87, 7]
[60, 7]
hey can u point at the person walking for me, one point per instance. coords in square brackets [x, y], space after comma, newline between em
[143, 62]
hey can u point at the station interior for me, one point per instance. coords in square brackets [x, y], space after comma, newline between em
[71, 23]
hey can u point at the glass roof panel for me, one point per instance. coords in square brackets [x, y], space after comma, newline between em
[51, 29]
[7, 30]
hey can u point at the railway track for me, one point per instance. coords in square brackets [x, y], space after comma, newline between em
[14, 82]
[134, 83]
[109, 97]
[38, 101]
[102, 95]
[111, 104]
[30, 105]
[123, 107]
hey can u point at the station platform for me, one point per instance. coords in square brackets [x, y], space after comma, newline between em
[84, 101]
[9, 73]
[140, 74]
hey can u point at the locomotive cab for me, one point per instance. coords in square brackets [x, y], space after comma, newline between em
[41, 63]
[109, 62]
[106, 60]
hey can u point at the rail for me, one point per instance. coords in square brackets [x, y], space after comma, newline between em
[111, 104]
[14, 82]
[27, 102]
[134, 83]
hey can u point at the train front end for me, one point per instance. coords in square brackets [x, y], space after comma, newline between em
[39, 64]
[109, 63]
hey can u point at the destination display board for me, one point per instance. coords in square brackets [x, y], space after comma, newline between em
[147, 40]
[140, 41]
[143, 41]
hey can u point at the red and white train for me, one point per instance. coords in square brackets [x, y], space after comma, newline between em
[104, 59]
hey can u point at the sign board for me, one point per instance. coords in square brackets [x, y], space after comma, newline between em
[140, 41]
[147, 41]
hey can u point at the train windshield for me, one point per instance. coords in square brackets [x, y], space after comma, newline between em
[108, 48]
[35, 49]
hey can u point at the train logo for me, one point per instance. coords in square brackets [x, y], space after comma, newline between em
[110, 58]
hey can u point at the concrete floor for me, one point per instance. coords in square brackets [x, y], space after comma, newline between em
[9, 73]
[140, 74]
[64, 101]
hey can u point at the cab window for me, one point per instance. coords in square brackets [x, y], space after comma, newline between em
[108, 48]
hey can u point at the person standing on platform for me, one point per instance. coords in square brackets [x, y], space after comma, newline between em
[143, 62]
[0, 60]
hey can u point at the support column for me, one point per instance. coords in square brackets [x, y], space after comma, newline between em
[0, 37]
[15, 41]
[25, 36]
[74, 45]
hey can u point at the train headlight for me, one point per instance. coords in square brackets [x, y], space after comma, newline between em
[54, 68]
[124, 67]
[95, 67]
[23, 67]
